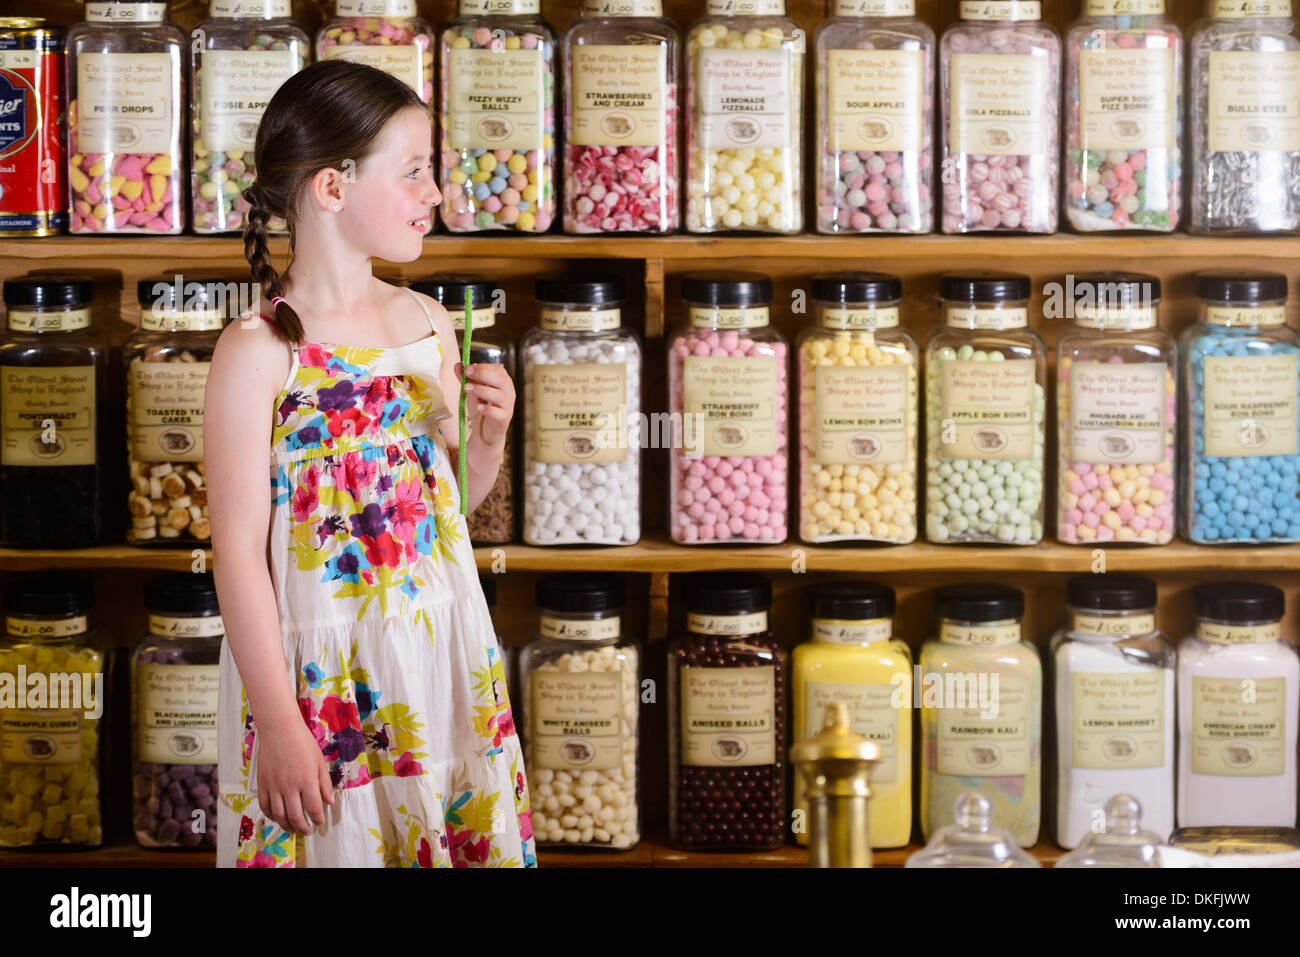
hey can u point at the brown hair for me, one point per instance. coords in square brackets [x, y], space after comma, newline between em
[322, 117]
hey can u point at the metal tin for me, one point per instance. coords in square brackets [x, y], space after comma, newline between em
[33, 143]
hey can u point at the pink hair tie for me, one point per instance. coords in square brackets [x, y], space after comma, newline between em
[276, 300]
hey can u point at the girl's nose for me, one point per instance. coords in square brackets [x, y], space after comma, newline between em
[431, 194]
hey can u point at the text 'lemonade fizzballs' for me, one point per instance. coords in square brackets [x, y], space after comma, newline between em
[1123, 117]
[1240, 389]
[620, 119]
[985, 372]
[386, 34]
[728, 387]
[999, 72]
[582, 405]
[1117, 414]
[498, 166]
[858, 410]
[875, 119]
[238, 59]
[582, 704]
[1245, 144]
[744, 152]
[126, 104]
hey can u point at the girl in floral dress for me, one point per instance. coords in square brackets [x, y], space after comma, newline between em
[364, 720]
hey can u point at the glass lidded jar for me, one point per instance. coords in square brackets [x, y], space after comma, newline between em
[581, 674]
[621, 150]
[126, 106]
[728, 395]
[1240, 385]
[50, 746]
[498, 168]
[875, 119]
[493, 522]
[858, 389]
[986, 373]
[1115, 399]
[175, 673]
[386, 34]
[239, 57]
[744, 154]
[726, 712]
[582, 407]
[53, 389]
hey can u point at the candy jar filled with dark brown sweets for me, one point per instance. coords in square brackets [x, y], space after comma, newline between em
[53, 377]
[174, 682]
[726, 687]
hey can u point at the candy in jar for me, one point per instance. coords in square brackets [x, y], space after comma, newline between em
[1115, 397]
[125, 108]
[1245, 119]
[744, 119]
[33, 144]
[875, 119]
[620, 119]
[858, 408]
[386, 34]
[498, 118]
[999, 77]
[1123, 117]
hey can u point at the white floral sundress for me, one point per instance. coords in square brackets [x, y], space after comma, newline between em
[385, 625]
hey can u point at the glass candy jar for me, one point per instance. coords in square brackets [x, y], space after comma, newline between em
[386, 34]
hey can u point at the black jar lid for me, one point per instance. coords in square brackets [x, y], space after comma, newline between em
[1112, 290]
[489, 589]
[1225, 285]
[726, 593]
[48, 593]
[857, 287]
[49, 290]
[851, 601]
[984, 286]
[448, 290]
[182, 593]
[1111, 592]
[583, 292]
[729, 289]
[166, 293]
[979, 602]
[1239, 602]
[580, 592]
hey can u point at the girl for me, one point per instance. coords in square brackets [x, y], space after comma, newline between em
[371, 726]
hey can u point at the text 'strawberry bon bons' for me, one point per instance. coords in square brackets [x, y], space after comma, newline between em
[125, 107]
[857, 413]
[1117, 414]
[727, 386]
[1240, 393]
[1245, 119]
[985, 373]
[238, 59]
[744, 119]
[498, 118]
[1124, 117]
[875, 119]
[620, 119]
[386, 34]
[34, 175]
[999, 76]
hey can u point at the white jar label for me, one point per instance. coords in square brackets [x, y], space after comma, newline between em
[871, 714]
[124, 103]
[984, 317]
[482, 318]
[863, 318]
[1117, 412]
[181, 320]
[404, 62]
[40, 736]
[580, 320]
[1253, 103]
[125, 12]
[990, 406]
[581, 412]
[501, 8]
[749, 624]
[236, 86]
[1115, 317]
[1239, 634]
[958, 634]
[745, 8]
[622, 8]
[1127, 99]
[48, 415]
[875, 99]
[861, 415]
[495, 99]
[973, 745]
[577, 720]
[1250, 405]
[178, 713]
[1239, 316]
[734, 399]
[64, 320]
[167, 410]
[1241, 9]
[998, 104]
[1123, 8]
[839, 631]
[744, 99]
[375, 8]
[618, 95]
[46, 628]
[1001, 10]
[873, 8]
[717, 317]
[728, 716]
[1239, 726]
[256, 9]
[580, 629]
[1086, 624]
[188, 626]
[1119, 720]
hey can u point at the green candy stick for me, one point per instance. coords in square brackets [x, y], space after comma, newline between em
[464, 449]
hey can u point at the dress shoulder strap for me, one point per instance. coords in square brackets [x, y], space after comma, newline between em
[425, 309]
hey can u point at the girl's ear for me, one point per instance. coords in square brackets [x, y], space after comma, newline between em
[326, 189]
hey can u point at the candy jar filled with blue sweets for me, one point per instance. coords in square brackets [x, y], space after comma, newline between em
[1240, 383]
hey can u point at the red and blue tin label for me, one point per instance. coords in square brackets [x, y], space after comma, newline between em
[33, 144]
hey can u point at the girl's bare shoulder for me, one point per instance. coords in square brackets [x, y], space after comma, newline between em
[253, 351]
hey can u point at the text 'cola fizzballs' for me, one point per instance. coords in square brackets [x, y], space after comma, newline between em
[388, 35]
[875, 119]
[620, 119]
[582, 405]
[728, 386]
[498, 119]
[985, 373]
[744, 154]
[1000, 71]
[1124, 117]
[1245, 154]
[1117, 414]
[858, 392]
[1240, 390]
